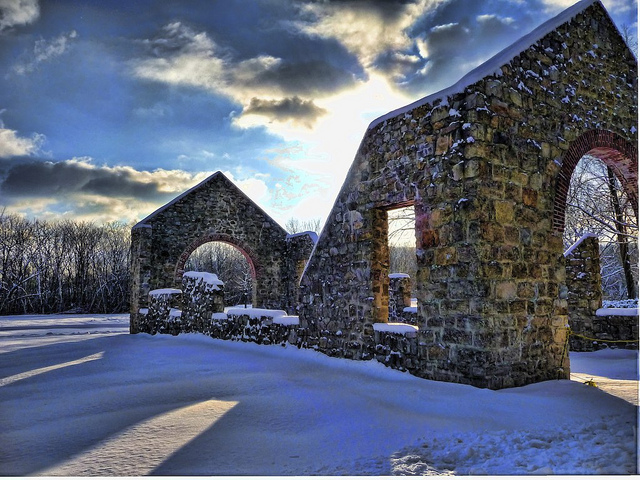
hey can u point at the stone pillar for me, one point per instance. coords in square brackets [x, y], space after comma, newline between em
[584, 292]
[161, 301]
[203, 295]
[140, 273]
[399, 295]
[379, 265]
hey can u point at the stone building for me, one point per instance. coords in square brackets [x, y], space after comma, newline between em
[215, 210]
[486, 165]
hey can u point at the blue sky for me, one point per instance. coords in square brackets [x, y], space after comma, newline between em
[109, 109]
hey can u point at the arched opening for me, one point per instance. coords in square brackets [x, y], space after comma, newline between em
[616, 152]
[597, 189]
[598, 204]
[230, 265]
[597, 195]
[232, 262]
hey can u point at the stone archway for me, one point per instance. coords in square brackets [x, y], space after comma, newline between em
[245, 250]
[252, 259]
[610, 148]
[214, 210]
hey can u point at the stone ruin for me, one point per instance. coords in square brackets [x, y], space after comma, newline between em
[486, 165]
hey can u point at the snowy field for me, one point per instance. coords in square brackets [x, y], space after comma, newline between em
[79, 396]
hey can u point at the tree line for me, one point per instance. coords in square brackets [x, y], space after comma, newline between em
[68, 266]
[71, 266]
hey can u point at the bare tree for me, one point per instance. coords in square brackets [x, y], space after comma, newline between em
[229, 264]
[597, 203]
[295, 225]
[630, 36]
[53, 267]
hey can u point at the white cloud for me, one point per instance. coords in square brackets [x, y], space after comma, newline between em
[612, 6]
[186, 57]
[13, 145]
[363, 30]
[18, 12]
[45, 51]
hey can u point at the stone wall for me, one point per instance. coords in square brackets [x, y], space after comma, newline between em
[480, 163]
[216, 210]
[593, 327]
[485, 165]
[584, 292]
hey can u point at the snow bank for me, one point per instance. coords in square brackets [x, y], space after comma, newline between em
[619, 312]
[131, 405]
[539, 450]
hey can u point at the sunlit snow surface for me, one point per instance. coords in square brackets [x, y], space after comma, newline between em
[79, 396]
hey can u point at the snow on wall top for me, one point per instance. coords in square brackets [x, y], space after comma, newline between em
[256, 313]
[309, 233]
[494, 63]
[164, 291]
[399, 275]
[578, 242]
[208, 278]
[618, 312]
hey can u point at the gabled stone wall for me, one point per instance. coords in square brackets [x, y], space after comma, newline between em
[481, 166]
[215, 210]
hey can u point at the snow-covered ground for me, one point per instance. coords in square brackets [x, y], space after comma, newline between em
[79, 396]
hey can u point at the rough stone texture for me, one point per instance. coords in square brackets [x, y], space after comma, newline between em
[215, 210]
[486, 169]
[584, 294]
[203, 295]
[399, 296]
[611, 331]
[584, 297]
[161, 302]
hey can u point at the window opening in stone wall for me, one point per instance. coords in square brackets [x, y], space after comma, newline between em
[230, 265]
[597, 203]
[402, 260]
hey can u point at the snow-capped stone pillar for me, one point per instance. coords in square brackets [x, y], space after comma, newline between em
[399, 295]
[203, 295]
[584, 292]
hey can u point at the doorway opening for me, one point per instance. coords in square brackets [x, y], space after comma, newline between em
[231, 266]
[597, 203]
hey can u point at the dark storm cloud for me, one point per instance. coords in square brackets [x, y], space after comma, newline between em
[304, 112]
[386, 9]
[37, 179]
[453, 43]
[313, 78]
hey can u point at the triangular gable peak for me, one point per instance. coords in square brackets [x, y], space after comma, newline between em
[225, 184]
[492, 66]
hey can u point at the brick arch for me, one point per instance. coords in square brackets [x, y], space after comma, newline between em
[609, 147]
[252, 258]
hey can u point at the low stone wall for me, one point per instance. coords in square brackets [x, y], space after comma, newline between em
[199, 306]
[609, 331]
